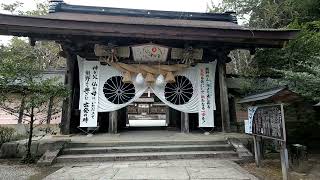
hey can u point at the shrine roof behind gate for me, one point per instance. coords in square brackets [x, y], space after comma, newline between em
[73, 21]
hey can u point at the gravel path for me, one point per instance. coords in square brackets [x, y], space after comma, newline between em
[16, 171]
[13, 170]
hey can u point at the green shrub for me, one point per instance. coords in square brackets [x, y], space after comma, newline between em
[6, 134]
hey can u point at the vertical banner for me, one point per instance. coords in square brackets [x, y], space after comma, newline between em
[89, 92]
[206, 92]
[248, 123]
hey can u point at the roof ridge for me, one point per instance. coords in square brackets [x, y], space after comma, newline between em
[61, 6]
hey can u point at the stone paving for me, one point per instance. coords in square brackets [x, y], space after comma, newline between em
[160, 169]
[152, 135]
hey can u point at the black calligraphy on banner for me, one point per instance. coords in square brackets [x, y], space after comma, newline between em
[89, 106]
[206, 90]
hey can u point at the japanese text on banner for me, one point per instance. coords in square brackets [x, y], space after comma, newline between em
[207, 104]
[89, 105]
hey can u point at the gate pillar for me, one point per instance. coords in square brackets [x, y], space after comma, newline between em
[184, 122]
[113, 122]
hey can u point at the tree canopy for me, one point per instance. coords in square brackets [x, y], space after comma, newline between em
[21, 68]
[295, 65]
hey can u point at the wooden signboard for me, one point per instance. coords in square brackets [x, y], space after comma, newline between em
[150, 53]
[267, 121]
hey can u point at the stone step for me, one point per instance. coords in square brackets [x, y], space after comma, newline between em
[141, 143]
[145, 156]
[137, 149]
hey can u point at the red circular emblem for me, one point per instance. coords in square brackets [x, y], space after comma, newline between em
[154, 49]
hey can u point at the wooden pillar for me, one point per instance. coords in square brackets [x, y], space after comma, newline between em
[113, 122]
[284, 160]
[67, 105]
[257, 150]
[224, 102]
[127, 118]
[167, 116]
[184, 122]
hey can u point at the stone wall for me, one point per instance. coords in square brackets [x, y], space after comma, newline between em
[39, 129]
[17, 149]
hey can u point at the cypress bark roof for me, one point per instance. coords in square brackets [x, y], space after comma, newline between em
[85, 22]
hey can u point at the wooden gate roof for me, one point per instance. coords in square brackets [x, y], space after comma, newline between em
[73, 21]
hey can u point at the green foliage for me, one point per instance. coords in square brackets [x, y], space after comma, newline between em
[6, 134]
[271, 13]
[295, 65]
[41, 9]
[21, 68]
[12, 8]
[243, 8]
[250, 85]
[15, 8]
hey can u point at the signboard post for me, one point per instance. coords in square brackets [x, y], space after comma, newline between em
[268, 122]
[257, 150]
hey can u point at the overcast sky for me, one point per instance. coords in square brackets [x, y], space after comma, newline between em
[169, 5]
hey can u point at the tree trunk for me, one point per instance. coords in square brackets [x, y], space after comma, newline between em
[28, 154]
[49, 113]
[21, 110]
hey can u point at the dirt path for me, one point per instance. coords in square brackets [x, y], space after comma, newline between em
[271, 170]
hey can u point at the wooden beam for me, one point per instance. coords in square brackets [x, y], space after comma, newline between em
[224, 102]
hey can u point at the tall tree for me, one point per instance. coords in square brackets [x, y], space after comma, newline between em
[21, 73]
[271, 13]
[45, 50]
[21, 67]
[296, 64]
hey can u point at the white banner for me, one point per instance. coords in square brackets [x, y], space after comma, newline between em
[206, 75]
[251, 111]
[106, 92]
[89, 90]
[192, 106]
[106, 74]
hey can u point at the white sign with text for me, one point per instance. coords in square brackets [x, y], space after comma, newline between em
[90, 87]
[206, 73]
